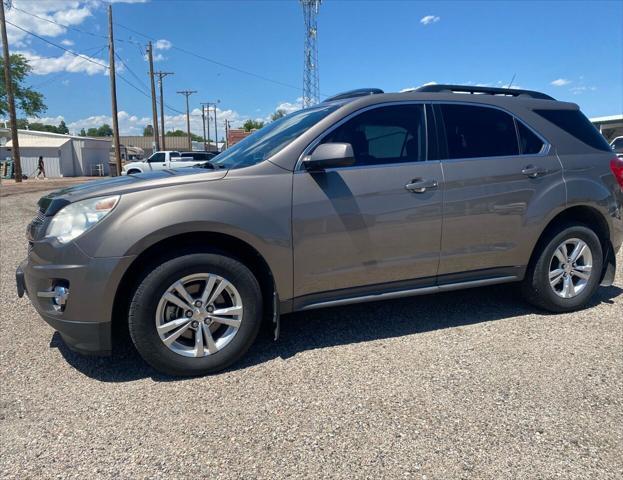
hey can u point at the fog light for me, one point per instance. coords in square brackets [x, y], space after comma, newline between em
[59, 296]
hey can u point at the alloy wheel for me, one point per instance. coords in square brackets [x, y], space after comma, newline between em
[570, 268]
[199, 315]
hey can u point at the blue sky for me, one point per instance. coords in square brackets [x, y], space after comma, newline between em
[571, 50]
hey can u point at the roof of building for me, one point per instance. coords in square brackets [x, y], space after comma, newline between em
[23, 134]
[39, 141]
[608, 119]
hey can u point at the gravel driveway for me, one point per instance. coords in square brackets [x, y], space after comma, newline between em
[471, 384]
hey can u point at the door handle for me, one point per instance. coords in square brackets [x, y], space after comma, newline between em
[533, 171]
[420, 185]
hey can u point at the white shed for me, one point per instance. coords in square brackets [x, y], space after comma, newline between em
[63, 155]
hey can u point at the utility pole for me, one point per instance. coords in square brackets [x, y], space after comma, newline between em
[203, 121]
[154, 109]
[113, 91]
[10, 98]
[188, 93]
[226, 134]
[205, 107]
[215, 126]
[161, 75]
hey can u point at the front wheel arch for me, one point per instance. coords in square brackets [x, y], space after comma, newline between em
[193, 242]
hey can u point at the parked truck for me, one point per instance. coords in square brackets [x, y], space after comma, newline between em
[159, 161]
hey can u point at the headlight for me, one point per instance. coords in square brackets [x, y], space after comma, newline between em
[76, 218]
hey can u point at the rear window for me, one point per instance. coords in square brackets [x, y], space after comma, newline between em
[529, 143]
[576, 124]
[473, 131]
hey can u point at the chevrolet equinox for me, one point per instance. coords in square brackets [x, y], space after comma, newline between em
[365, 196]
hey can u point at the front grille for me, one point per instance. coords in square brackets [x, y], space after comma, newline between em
[40, 216]
[35, 227]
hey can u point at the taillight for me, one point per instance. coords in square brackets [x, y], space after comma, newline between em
[616, 165]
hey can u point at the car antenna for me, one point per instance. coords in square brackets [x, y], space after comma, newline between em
[512, 80]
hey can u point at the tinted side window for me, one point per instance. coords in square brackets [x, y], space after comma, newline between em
[385, 135]
[575, 123]
[473, 131]
[529, 143]
[157, 157]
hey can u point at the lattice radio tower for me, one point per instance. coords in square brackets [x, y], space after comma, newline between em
[311, 80]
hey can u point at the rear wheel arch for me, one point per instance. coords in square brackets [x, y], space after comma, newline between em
[577, 215]
[190, 242]
[133, 171]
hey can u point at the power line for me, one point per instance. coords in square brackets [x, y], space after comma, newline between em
[132, 72]
[88, 59]
[70, 27]
[216, 62]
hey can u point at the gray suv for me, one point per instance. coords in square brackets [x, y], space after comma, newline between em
[366, 196]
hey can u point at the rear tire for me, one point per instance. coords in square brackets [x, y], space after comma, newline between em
[558, 282]
[195, 314]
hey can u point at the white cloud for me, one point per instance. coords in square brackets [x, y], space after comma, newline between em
[130, 124]
[428, 19]
[560, 82]
[67, 42]
[158, 57]
[162, 44]
[581, 89]
[65, 63]
[410, 89]
[290, 107]
[67, 12]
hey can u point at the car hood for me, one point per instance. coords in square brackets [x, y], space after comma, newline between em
[53, 202]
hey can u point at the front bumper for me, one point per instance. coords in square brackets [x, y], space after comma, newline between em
[84, 321]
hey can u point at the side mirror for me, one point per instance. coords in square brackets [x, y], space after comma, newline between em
[330, 155]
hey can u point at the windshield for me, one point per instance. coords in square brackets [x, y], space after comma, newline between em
[268, 140]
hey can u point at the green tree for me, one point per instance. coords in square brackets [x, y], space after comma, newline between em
[41, 127]
[92, 132]
[148, 131]
[62, 128]
[83, 133]
[104, 131]
[182, 133]
[27, 100]
[278, 114]
[252, 125]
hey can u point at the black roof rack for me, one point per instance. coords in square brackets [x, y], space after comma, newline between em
[513, 92]
[360, 92]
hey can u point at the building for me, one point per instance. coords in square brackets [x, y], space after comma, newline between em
[235, 135]
[610, 126]
[63, 155]
[146, 144]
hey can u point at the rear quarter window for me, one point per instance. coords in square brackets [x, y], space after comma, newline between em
[577, 125]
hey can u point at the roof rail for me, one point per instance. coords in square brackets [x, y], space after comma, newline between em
[513, 92]
[359, 92]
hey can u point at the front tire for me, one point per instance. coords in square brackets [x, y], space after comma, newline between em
[195, 314]
[566, 270]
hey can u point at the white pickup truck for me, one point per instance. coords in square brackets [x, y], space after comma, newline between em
[159, 161]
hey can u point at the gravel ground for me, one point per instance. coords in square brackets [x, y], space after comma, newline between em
[472, 384]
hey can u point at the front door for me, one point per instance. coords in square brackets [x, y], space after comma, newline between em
[499, 175]
[378, 221]
[158, 161]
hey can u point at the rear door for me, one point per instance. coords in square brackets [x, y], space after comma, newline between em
[376, 222]
[501, 179]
